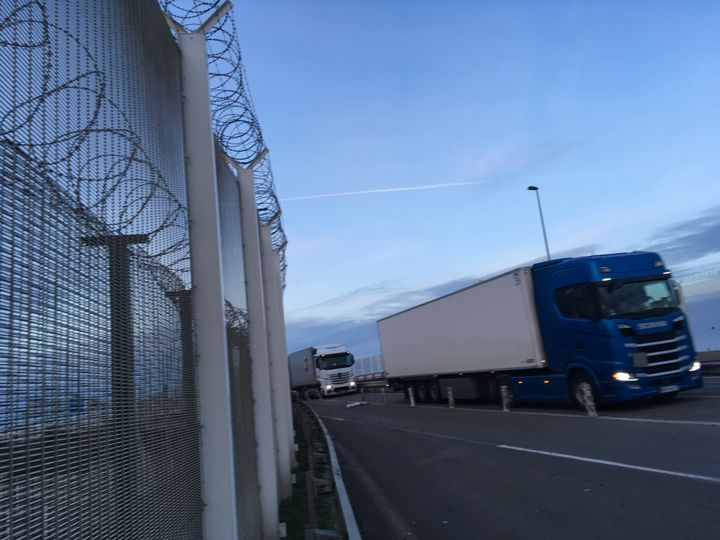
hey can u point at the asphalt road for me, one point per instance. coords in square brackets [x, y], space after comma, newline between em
[650, 470]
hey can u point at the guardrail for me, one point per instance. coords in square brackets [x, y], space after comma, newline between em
[347, 516]
[710, 361]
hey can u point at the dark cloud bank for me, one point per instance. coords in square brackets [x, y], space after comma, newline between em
[679, 244]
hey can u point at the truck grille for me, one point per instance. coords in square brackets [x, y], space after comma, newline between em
[666, 352]
[340, 378]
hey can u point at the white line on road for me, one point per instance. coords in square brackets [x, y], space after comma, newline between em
[713, 423]
[400, 528]
[334, 418]
[661, 421]
[678, 474]
[613, 463]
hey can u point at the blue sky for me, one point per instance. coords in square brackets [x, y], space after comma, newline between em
[612, 108]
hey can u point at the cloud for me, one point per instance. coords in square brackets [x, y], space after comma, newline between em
[495, 164]
[360, 337]
[689, 240]
[350, 319]
[346, 300]
[382, 190]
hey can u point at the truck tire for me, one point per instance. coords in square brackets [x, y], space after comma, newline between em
[499, 383]
[578, 385]
[434, 391]
[421, 392]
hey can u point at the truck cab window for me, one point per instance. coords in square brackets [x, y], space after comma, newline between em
[638, 298]
[335, 361]
[577, 301]
[565, 301]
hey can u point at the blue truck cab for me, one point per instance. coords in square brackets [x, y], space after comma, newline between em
[613, 324]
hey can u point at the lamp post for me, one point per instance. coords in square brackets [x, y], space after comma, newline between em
[542, 221]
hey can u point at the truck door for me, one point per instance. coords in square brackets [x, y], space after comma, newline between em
[576, 333]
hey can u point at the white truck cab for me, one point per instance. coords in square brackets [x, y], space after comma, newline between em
[327, 370]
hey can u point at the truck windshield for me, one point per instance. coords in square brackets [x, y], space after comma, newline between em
[336, 361]
[637, 298]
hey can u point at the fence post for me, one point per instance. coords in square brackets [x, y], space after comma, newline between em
[259, 355]
[588, 400]
[451, 397]
[122, 348]
[183, 300]
[218, 466]
[505, 398]
[277, 353]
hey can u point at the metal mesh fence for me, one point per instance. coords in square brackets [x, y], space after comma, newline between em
[98, 422]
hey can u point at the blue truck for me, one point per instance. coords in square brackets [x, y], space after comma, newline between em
[610, 328]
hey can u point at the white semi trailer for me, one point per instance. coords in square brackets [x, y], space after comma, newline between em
[465, 339]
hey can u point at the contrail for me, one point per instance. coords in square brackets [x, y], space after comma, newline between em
[385, 190]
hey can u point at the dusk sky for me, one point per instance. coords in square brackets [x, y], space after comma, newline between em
[612, 108]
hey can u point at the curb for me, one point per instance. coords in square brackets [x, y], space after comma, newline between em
[351, 527]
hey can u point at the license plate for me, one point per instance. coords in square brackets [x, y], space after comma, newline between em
[668, 389]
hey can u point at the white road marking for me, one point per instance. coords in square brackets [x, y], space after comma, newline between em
[714, 479]
[333, 418]
[712, 423]
[666, 472]
[662, 421]
[400, 527]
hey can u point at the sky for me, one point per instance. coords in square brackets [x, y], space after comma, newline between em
[403, 135]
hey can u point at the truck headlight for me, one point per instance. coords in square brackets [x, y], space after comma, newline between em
[695, 365]
[624, 376]
[328, 387]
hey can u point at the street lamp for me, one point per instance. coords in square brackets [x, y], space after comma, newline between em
[542, 221]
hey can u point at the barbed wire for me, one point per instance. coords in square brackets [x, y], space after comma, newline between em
[61, 117]
[235, 122]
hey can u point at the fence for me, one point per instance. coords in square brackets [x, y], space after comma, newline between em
[100, 404]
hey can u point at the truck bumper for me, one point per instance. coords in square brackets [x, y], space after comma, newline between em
[618, 391]
[337, 390]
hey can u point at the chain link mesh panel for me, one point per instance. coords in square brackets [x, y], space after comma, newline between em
[99, 433]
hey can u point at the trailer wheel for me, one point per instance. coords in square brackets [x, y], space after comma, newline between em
[423, 395]
[580, 386]
[511, 398]
[434, 391]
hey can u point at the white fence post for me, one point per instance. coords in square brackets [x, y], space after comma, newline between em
[261, 386]
[451, 398]
[218, 471]
[277, 350]
[505, 392]
[588, 400]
